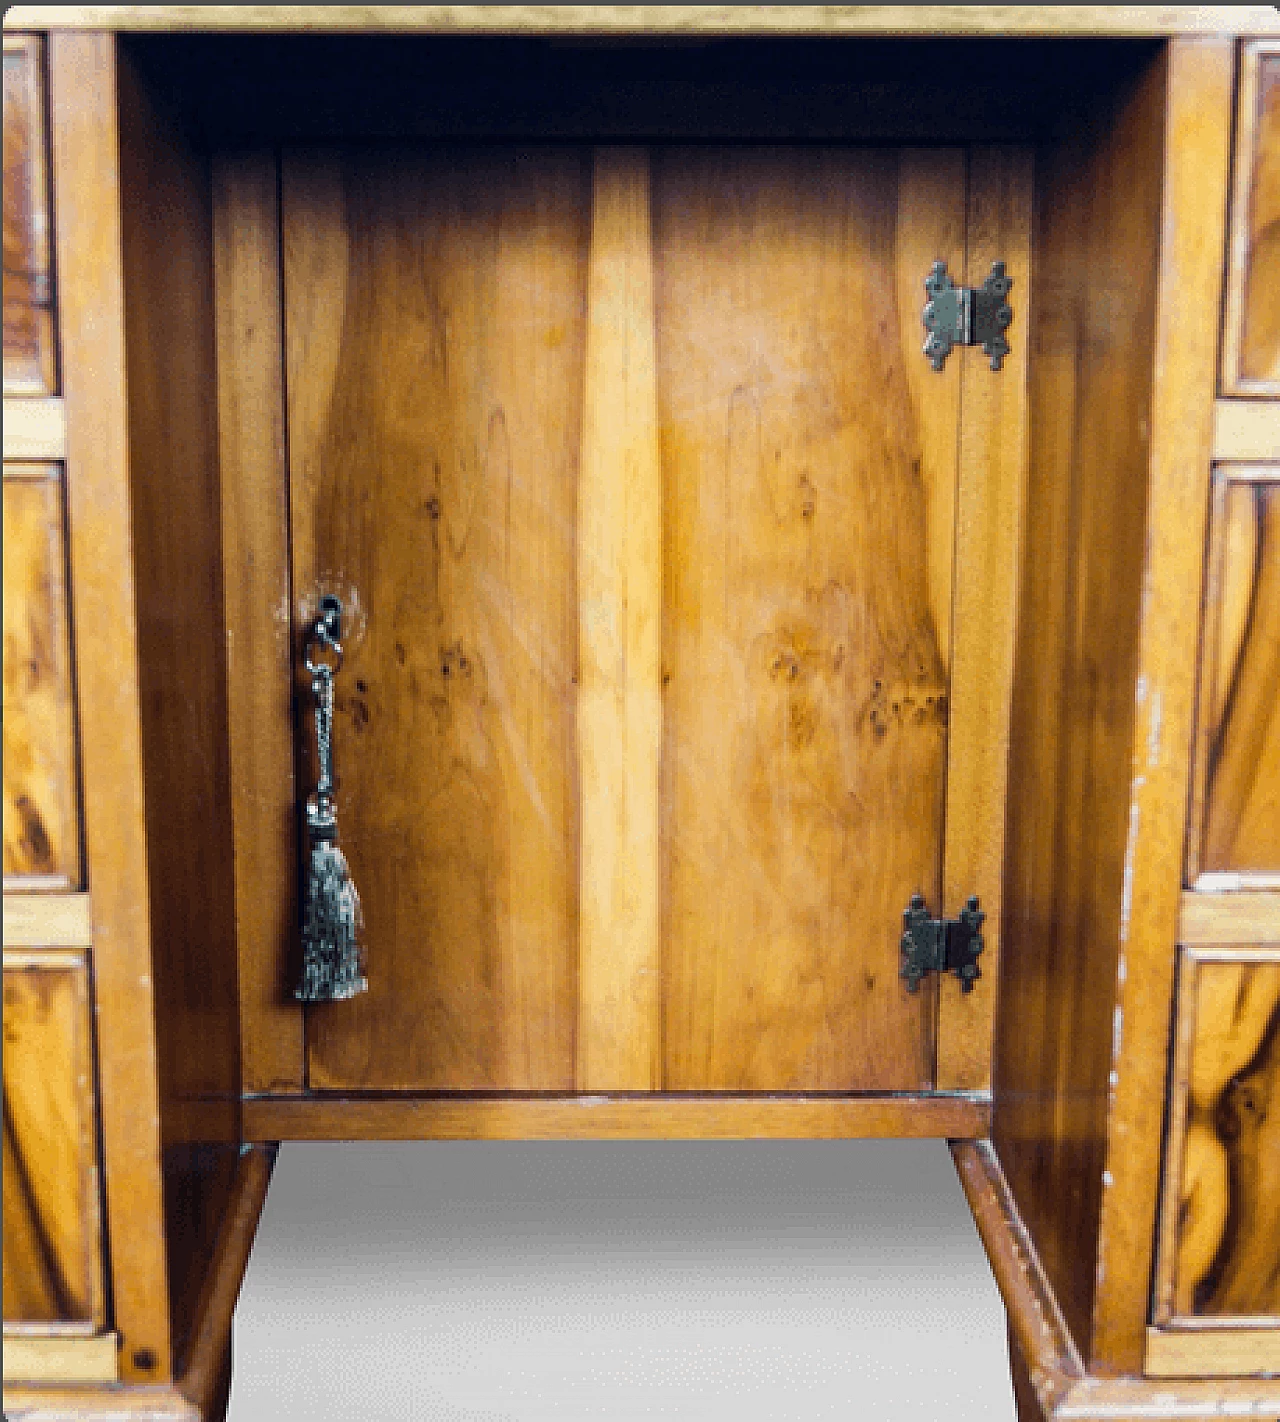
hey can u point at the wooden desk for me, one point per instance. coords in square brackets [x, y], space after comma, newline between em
[695, 623]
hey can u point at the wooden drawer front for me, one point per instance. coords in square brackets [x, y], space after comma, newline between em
[52, 1220]
[29, 362]
[1238, 804]
[1220, 1234]
[1251, 350]
[41, 822]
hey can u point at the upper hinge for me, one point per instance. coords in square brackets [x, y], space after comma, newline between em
[941, 945]
[967, 316]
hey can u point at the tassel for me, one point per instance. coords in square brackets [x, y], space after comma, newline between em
[331, 919]
[332, 964]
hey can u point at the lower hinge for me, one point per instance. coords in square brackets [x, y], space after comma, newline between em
[941, 945]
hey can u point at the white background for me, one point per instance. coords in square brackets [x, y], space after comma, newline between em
[478, 1281]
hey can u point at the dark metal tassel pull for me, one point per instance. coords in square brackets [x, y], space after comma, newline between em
[332, 964]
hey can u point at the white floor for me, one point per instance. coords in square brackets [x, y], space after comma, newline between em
[475, 1282]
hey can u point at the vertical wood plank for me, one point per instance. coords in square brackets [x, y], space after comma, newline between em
[258, 601]
[82, 72]
[1197, 141]
[931, 228]
[988, 543]
[619, 630]
[806, 687]
[435, 318]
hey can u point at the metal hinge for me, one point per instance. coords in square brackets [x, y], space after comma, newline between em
[941, 945]
[967, 316]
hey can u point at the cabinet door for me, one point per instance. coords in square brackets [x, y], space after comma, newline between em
[641, 499]
[1236, 832]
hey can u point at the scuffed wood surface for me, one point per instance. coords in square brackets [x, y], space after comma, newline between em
[1132, 1002]
[52, 1239]
[435, 305]
[41, 817]
[805, 681]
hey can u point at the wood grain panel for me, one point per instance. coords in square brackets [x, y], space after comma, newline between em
[41, 813]
[1090, 332]
[1251, 353]
[1238, 776]
[435, 309]
[620, 619]
[1220, 1239]
[29, 356]
[806, 688]
[52, 1215]
[257, 602]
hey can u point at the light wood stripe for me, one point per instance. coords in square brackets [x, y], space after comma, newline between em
[663, 19]
[60, 1360]
[620, 619]
[1230, 918]
[34, 429]
[651, 1117]
[1245, 430]
[1217, 1352]
[47, 921]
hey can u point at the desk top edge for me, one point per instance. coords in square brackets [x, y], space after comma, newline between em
[662, 20]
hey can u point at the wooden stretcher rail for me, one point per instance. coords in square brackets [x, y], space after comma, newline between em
[656, 1117]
